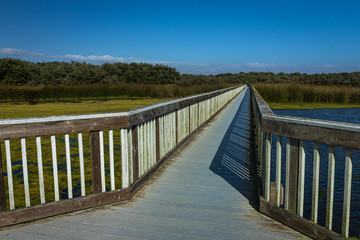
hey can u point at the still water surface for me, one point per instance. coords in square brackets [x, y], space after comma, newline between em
[351, 115]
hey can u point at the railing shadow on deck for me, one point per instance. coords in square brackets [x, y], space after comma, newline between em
[233, 160]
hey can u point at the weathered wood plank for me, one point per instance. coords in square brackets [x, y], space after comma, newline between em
[69, 205]
[61, 127]
[306, 129]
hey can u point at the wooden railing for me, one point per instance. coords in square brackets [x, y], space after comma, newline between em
[60, 164]
[297, 131]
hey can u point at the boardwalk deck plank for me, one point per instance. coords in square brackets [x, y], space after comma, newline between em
[207, 191]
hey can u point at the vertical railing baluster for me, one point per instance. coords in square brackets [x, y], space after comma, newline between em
[55, 167]
[102, 161]
[174, 130]
[315, 186]
[146, 146]
[178, 129]
[149, 148]
[347, 194]
[68, 166]
[157, 139]
[124, 159]
[81, 164]
[111, 159]
[161, 139]
[267, 165]
[130, 156]
[25, 172]
[141, 153]
[287, 175]
[40, 170]
[153, 141]
[278, 171]
[301, 178]
[330, 188]
[9, 175]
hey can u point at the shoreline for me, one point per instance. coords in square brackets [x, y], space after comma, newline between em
[308, 105]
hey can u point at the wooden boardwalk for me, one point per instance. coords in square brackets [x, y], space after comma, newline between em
[207, 191]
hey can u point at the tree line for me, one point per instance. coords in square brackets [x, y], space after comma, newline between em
[19, 72]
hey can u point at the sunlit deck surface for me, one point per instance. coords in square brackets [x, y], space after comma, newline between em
[207, 191]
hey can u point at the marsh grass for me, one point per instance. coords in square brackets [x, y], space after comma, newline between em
[298, 93]
[12, 93]
[24, 110]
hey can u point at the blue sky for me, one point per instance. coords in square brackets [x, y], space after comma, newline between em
[206, 37]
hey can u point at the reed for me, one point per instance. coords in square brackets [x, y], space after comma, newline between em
[12, 93]
[287, 92]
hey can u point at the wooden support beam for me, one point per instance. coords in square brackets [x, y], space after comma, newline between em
[95, 161]
[293, 177]
[135, 152]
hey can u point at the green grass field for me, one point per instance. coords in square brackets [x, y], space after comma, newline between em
[24, 110]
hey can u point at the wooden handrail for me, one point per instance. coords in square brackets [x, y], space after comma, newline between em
[296, 131]
[146, 137]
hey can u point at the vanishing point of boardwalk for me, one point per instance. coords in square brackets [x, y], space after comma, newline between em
[207, 191]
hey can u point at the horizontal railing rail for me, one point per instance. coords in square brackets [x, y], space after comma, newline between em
[55, 165]
[288, 206]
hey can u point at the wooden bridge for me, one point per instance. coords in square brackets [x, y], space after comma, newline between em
[167, 187]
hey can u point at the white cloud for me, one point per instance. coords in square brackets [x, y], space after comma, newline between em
[259, 67]
[185, 67]
[95, 58]
[18, 52]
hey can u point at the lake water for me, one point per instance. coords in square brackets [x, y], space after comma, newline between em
[351, 115]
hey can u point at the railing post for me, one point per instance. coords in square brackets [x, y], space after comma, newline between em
[95, 161]
[293, 172]
[2, 186]
[135, 153]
